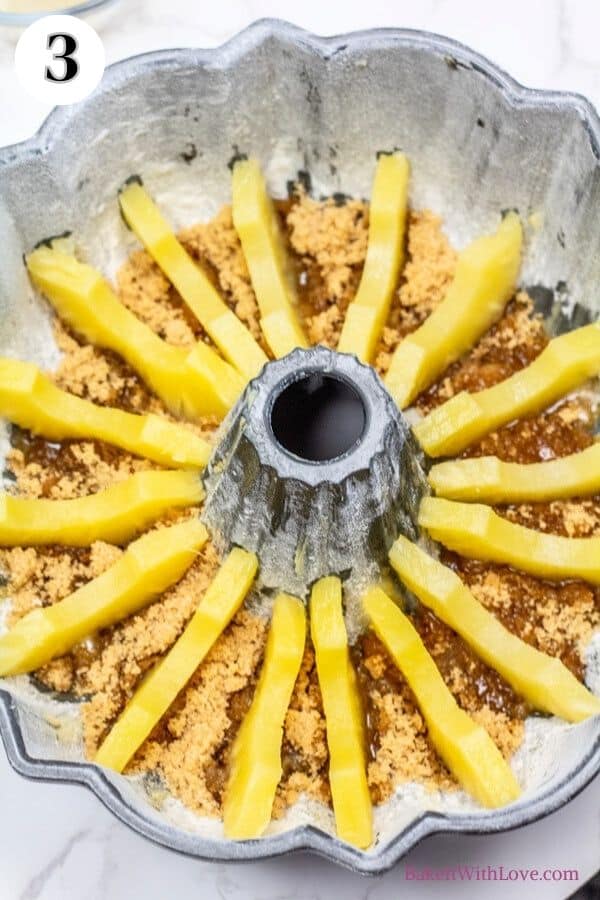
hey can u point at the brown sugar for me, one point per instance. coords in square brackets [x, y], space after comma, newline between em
[189, 749]
[305, 758]
[330, 243]
[397, 739]
[557, 618]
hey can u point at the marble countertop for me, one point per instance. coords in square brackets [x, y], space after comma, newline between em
[58, 842]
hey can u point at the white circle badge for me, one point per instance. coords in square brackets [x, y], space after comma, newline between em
[59, 59]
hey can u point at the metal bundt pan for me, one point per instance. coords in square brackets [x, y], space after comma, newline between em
[478, 142]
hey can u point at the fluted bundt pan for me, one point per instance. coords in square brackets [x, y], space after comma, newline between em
[324, 106]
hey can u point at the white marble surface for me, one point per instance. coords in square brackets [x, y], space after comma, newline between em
[57, 842]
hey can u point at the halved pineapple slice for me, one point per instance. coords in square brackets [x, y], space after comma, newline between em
[256, 754]
[256, 223]
[29, 399]
[369, 310]
[492, 480]
[485, 280]
[222, 325]
[544, 681]
[475, 530]
[114, 514]
[148, 567]
[83, 298]
[563, 365]
[160, 688]
[466, 748]
[343, 715]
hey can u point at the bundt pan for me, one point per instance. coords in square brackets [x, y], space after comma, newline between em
[478, 142]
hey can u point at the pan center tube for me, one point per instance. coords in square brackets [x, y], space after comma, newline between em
[317, 471]
[318, 417]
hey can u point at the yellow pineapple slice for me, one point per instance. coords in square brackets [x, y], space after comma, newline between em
[485, 280]
[563, 365]
[256, 754]
[492, 480]
[114, 514]
[160, 688]
[475, 530]
[222, 325]
[369, 310]
[86, 301]
[343, 715]
[466, 748]
[543, 680]
[209, 368]
[148, 567]
[256, 223]
[29, 399]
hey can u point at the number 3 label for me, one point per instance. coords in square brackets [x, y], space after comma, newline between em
[71, 67]
[59, 59]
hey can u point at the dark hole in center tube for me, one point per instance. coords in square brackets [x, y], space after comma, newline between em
[318, 417]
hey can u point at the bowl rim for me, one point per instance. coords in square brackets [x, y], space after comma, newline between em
[82, 8]
[306, 837]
